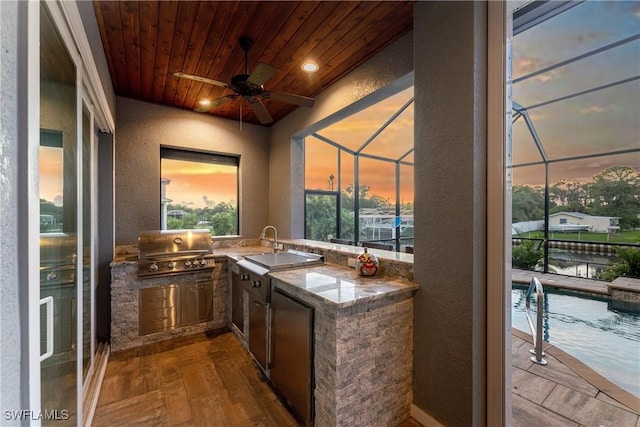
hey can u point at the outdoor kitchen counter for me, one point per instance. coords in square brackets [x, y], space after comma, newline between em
[362, 341]
[336, 286]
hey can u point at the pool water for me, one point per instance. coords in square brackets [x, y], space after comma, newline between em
[602, 337]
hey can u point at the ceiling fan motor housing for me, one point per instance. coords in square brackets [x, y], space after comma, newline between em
[242, 86]
[249, 87]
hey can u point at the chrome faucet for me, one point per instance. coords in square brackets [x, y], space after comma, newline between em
[275, 237]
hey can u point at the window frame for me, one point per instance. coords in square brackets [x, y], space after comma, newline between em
[315, 131]
[207, 157]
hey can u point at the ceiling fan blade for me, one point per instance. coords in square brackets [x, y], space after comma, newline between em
[200, 79]
[261, 74]
[259, 109]
[213, 104]
[291, 99]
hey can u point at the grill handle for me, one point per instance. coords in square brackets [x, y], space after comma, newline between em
[49, 304]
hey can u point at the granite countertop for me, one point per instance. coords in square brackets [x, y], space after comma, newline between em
[338, 286]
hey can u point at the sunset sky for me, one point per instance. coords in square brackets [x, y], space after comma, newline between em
[51, 173]
[321, 159]
[598, 122]
[191, 182]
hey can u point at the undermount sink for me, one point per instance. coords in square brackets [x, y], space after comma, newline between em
[283, 260]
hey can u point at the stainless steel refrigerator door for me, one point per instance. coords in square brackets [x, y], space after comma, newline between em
[291, 368]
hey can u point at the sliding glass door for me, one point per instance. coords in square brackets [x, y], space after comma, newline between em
[67, 190]
[59, 233]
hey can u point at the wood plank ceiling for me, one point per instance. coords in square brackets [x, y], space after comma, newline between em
[145, 42]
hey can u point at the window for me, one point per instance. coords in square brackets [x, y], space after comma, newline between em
[359, 175]
[199, 190]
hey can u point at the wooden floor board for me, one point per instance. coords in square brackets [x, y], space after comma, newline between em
[143, 409]
[202, 380]
[176, 403]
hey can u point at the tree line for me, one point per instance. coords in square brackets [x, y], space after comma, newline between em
[320, 212]
[614, 191]
[221, 219]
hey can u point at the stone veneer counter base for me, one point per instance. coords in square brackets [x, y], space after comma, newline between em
[125, 285]
[363, 343]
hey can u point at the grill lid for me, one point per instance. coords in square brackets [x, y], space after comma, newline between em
[163, 243]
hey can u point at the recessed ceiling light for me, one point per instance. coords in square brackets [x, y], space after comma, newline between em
[310, 67]
[204, 102]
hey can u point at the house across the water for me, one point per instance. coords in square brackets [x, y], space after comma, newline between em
[567, 222]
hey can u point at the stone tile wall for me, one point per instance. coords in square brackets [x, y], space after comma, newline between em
[124, 303]
[364, 364]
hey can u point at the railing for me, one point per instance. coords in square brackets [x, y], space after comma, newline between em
[536, 331]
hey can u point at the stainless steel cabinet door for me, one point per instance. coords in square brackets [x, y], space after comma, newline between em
[258, 329]
[237, 302]
[196, 303]
[291, 368]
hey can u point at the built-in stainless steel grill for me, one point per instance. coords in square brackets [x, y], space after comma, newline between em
[57, 259]
[167, 252]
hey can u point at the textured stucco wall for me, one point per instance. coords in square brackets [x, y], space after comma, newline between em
[141, 128]
[12, 43]
[286, 168]
[450, 192]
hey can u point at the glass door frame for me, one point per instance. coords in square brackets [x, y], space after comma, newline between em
[35, 380]
[92, 268]
[498, 308]
[90, 93]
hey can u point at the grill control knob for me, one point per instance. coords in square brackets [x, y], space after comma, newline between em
[153, 267]
[244, 276]
[255, 283]
[170, 265]
[203, 262]
[187, 263]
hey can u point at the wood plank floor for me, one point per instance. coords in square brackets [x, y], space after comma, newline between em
[201, 380]
[210, 380]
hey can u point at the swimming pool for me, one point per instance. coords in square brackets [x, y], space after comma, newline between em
[604, 338]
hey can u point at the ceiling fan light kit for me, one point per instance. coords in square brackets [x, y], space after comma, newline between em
[248, 86]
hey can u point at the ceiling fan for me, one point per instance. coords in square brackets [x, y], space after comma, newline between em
[249, 87]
